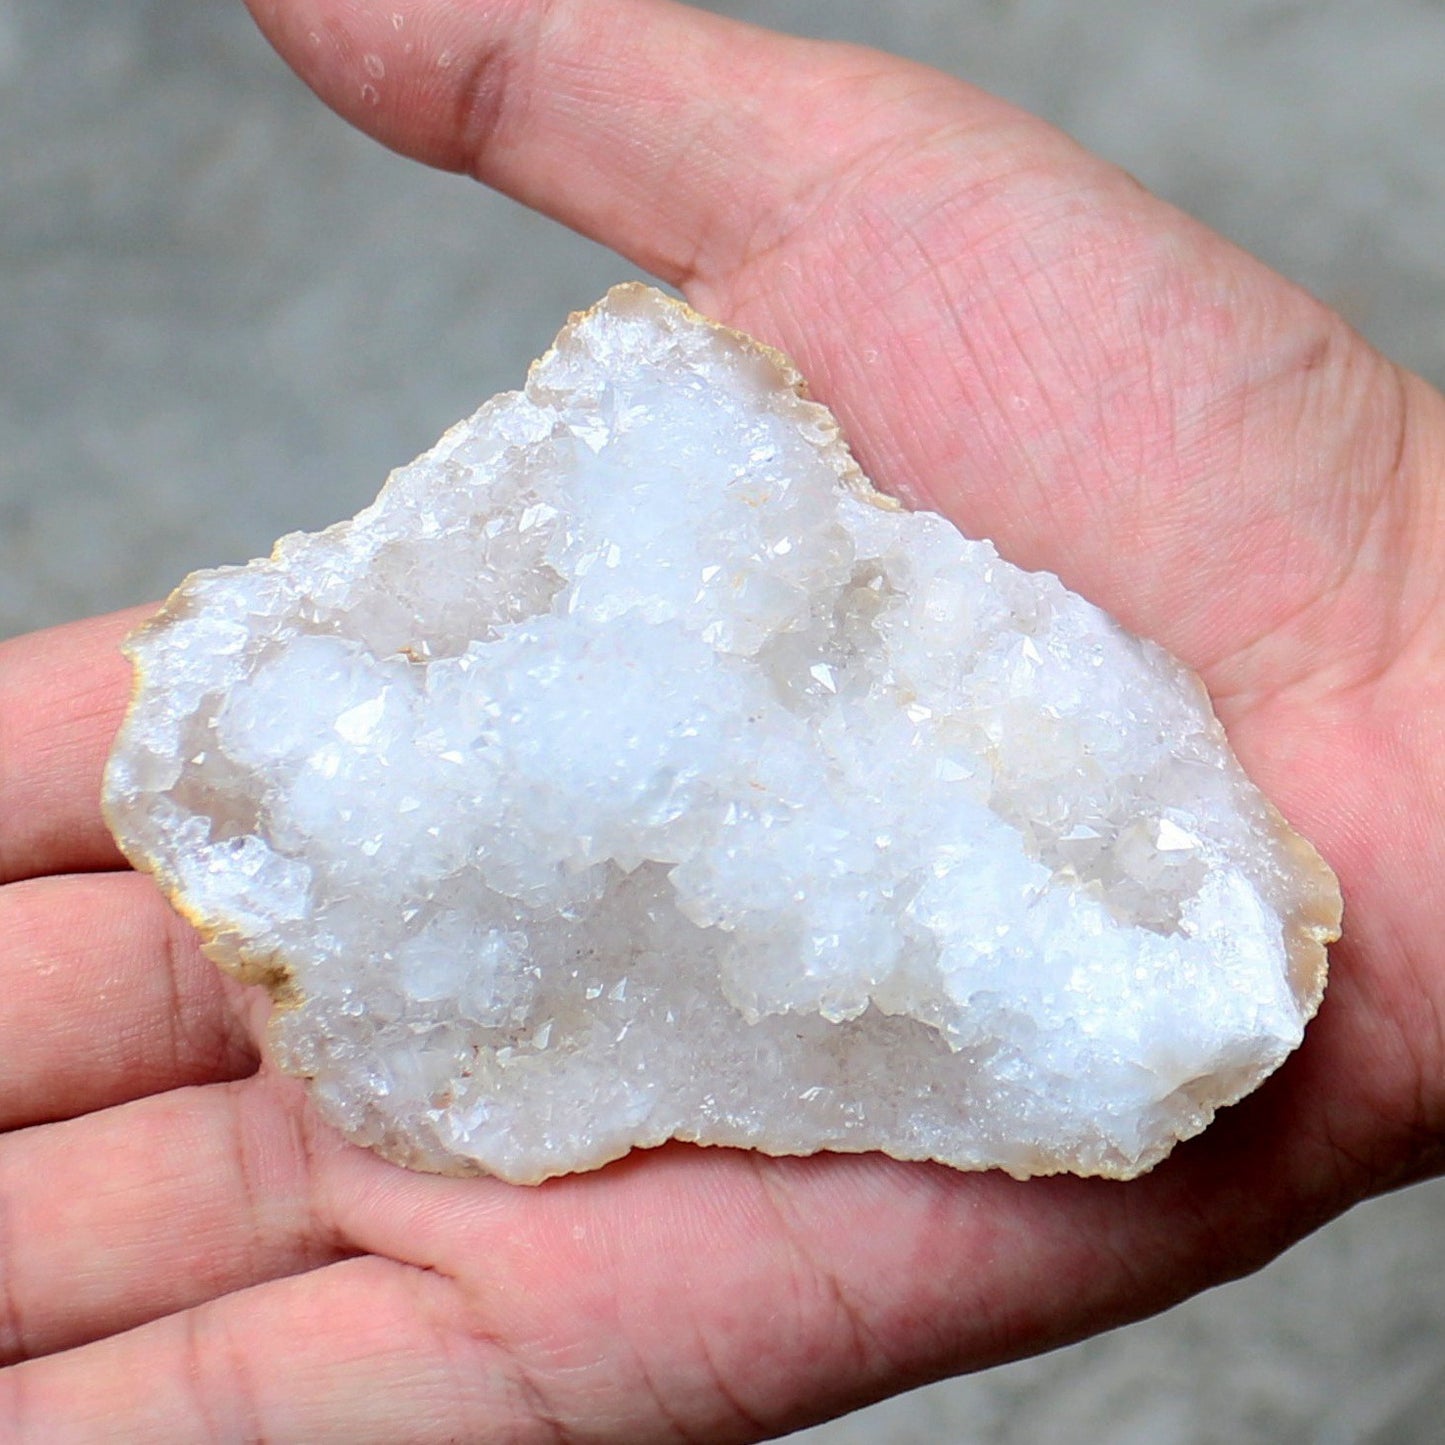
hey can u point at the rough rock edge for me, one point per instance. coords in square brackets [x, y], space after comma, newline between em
[1308, 932]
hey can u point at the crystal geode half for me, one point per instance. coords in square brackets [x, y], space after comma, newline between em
[631, 770]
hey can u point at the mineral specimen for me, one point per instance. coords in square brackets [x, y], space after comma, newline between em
[630, 770]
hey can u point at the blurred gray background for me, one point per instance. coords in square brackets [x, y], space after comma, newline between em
[224, 316]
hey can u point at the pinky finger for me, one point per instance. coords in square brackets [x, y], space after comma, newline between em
[357, 1351]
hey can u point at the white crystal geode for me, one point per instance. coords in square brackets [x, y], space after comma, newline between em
[630, 770]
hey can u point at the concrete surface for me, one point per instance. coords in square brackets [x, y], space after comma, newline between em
[223, 316]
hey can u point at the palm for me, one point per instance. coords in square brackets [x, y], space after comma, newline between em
[1014, 335]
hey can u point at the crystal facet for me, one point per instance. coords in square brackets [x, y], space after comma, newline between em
[631, 770]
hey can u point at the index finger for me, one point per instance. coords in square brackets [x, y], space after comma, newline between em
[63, 693]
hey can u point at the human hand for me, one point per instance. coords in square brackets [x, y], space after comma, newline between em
[1011, 332]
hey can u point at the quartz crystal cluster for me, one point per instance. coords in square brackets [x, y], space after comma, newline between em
[630, 770]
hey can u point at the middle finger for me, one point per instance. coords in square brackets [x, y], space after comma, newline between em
[107, 998]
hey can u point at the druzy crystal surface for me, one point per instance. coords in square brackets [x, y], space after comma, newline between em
[630, 770]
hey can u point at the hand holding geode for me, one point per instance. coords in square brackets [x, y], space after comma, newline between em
[630, 770]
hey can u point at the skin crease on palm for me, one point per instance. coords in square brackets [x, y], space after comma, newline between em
[1013, 333]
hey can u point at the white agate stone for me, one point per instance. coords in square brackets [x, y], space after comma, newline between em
[630, 771]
